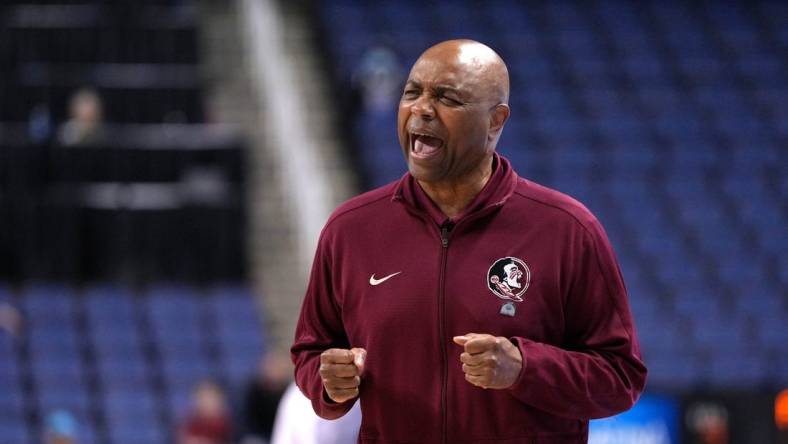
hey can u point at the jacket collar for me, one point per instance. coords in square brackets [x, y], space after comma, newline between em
[495, 192]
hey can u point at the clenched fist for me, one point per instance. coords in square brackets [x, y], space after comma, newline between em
[341, 371]
[489, 361]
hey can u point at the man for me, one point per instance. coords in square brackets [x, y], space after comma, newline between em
[400, 311]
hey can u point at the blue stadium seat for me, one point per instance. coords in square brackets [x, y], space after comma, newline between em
[10, 385]
[507, 14]
[779, 370]
[13, 428]
[186, 369]
[54, 363]
[133, 417]
[771, 330]
[649, 72]
[129, 371]
[738, 370]
[721, 334]
[174, 314]
[72, 398]
[179, 401]
[659, 333]
[122, 337]
[676, 369]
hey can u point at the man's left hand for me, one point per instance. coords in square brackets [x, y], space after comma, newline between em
[489, 361]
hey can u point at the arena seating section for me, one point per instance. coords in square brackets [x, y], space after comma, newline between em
[142, 56]
[122, 362]
[668, 119]
[121, 357]
[67, 207]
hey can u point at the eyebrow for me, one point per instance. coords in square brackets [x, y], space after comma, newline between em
[438, 88]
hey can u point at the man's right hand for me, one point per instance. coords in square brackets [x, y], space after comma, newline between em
[341, 371]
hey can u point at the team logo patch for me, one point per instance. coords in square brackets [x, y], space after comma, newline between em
[508, 278]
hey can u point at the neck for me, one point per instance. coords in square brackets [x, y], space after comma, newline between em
[453, 196]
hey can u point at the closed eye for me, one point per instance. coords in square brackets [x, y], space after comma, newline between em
[411, 94]
[450, 101]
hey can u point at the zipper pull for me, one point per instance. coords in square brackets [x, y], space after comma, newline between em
[445, 236]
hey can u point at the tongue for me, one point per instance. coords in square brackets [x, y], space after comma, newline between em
[426, 145]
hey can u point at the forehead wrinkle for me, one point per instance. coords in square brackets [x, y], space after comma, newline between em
[440, 73]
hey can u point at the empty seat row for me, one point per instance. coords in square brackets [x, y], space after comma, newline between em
[132, 355]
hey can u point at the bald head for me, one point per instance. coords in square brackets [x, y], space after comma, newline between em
[452, 111]
[474, 61]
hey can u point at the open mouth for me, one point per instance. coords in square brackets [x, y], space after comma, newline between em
[424, 145]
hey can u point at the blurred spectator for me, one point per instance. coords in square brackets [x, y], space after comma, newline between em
[86, 119]
[208, 421]
[378, 79]
[708, 423]
[297, 423]
[262, 395]
[61, 428]
[10, 319]
[781, 415]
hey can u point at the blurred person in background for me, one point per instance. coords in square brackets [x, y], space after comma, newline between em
[781, 416]
[61, 428]
[10, 319]
[208, 421]
[262, 396]
[297, 423]
[378, 79]
[85, 124]
[708, 423]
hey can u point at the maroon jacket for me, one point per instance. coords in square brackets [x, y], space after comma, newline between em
[573, 326]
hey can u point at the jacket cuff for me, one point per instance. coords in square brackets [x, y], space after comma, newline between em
[327, 408]
[517, 388]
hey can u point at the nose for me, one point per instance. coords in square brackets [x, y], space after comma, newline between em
[422, 107]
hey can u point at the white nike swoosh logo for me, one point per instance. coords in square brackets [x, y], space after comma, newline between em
[373, 281]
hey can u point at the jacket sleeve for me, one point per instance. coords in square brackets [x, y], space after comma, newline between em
[598, 371]
[319, 328]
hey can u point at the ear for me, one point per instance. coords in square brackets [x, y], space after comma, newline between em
[498, 117]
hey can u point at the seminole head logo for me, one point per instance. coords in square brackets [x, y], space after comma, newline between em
[508, 278]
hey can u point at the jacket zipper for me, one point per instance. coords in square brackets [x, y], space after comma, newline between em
[442, 329]
[444, 235]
